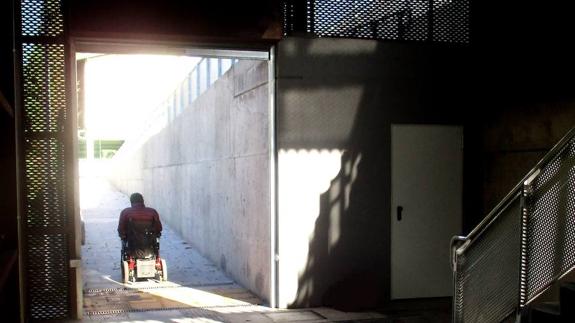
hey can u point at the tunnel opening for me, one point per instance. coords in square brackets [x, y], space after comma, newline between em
[193, 135]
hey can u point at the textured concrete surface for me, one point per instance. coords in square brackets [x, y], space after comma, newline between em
[336, 101]
[207, 174]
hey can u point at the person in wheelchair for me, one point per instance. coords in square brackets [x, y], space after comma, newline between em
[140, 228]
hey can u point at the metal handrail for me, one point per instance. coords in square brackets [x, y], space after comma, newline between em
[493, 215]
[459, 244]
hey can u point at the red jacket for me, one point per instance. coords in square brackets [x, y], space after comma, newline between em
[138, 212]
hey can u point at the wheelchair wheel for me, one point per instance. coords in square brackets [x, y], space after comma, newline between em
[164, 270]
[125, 272]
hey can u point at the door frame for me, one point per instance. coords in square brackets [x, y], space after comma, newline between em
[72, 45]
[130, 46]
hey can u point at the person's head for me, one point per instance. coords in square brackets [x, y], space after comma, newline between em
[136, 198]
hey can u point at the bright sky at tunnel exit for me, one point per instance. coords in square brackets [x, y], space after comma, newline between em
[122, 90]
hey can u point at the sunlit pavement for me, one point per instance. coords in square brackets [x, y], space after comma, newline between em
[197, 291]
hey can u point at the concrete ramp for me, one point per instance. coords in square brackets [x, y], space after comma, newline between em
[194, 282]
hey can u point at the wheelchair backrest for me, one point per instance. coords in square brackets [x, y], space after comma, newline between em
[141, 235]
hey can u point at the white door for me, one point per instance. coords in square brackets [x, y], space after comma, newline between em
[426, 203]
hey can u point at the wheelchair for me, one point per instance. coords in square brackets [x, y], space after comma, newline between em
[140, 254]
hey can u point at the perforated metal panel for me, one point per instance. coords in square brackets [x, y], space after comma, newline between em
[47, 277]
[419, 20]
[45, 188]
[550, 223]
[487, 287]
[44, 87]
[372, 19]
[487, 281]
[42, 18]
[43, 130]
[451, 20]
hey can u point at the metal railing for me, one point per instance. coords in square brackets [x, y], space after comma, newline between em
[522, 247]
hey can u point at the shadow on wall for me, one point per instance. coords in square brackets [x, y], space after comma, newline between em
[347, 265]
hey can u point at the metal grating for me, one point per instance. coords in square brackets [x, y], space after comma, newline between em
[551, 222]
[413, 20]
[47, 277]
[44, 87]
[45, 201]
[487, 280]
[42, 18]
[451, 21]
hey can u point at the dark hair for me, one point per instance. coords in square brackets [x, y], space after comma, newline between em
[136, 198]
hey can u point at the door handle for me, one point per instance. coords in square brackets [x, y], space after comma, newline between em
[399, 211]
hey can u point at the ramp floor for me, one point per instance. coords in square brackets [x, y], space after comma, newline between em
[193, 281]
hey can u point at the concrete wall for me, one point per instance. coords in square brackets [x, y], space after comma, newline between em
[516, 138]
[207, 174]
[522, 99]
[336, 101]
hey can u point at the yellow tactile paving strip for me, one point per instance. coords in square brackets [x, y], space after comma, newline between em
[180, 297]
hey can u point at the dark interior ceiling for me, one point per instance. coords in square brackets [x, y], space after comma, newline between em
[233, 21]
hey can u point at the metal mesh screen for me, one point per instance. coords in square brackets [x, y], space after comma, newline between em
[374, 19]
[420, 20]
[487, 281]
[47, 276]
[451, 20]
[42, 18]
[44, 87]
[44, 183]
[42, 131]
[551, 222]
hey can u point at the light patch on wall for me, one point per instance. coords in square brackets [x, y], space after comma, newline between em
[326, 46]
[304, 175]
